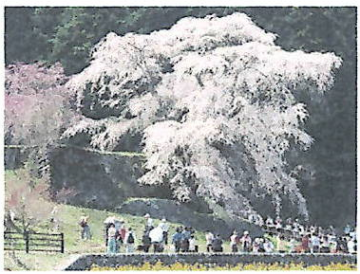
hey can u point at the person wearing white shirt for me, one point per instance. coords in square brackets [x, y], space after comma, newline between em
[149, 222]
[209, 239]
[165, 227]
[315, 243]
[351, 246]
[192, 244]
[156, 236]
[268, 246]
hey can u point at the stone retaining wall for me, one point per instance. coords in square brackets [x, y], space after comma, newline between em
[85, 262]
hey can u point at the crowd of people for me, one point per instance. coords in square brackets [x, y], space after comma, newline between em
[280, 237]
[295, 237]
[118, 236]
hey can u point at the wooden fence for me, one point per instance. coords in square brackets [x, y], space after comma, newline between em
[33, 241]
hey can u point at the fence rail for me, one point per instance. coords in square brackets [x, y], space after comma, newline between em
[34, 241]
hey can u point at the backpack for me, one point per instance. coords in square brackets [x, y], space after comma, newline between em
[216, 243]
[130, 239]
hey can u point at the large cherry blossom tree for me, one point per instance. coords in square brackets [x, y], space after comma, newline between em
[214, 101]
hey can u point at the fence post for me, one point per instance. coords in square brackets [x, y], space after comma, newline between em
[27, 241]
[62, 243]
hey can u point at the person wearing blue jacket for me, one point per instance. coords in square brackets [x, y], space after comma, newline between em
[177, 239]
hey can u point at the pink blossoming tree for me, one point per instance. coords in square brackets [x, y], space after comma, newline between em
[214, 101]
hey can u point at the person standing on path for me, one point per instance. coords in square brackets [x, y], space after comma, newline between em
[246, 242]
[325, 245]
[315, 243]
[176, 239]
[165, 227]
[192, 244]
[129, 241]
[281, 244]
[209, 239]
[156, 236]
[148, 222]
[268, 246]
[217, 244]
[146, 242]
[111, 239]
[186, 234]
[123, 232]
[305, 243]
[234, 240]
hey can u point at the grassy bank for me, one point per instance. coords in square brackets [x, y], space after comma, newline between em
[68, 224]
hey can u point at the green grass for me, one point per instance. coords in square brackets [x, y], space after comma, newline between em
[69, 219]
[69, 216]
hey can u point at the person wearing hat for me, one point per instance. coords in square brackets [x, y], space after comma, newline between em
[109, 221]
[246, 242]
[165, 227]
[256, 245]
[148, 222]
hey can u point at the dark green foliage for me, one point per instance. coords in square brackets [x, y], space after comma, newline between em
[98, 180]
